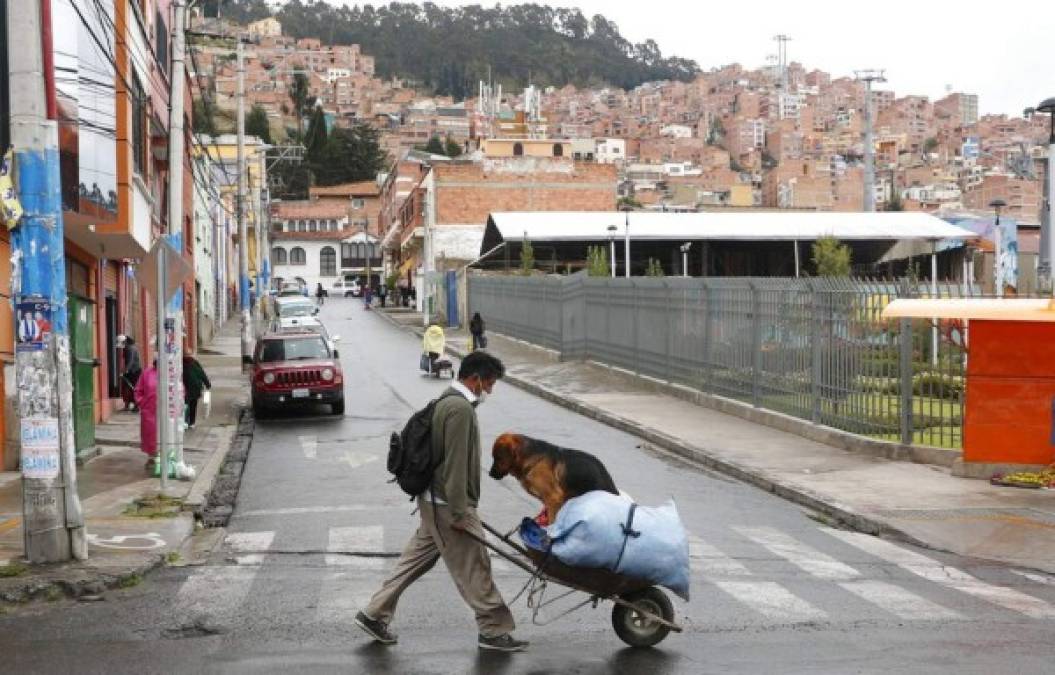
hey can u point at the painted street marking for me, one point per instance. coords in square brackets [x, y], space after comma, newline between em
[365, 539]
[772, 600]
[306, 510]
[146, 542]
[216, 590]
[709, 560]
[1037, 578]
[342, 594]
[357, 458]
[255, 544]
[950, 577]
[310, 445]
[820, 565]
[898, 601]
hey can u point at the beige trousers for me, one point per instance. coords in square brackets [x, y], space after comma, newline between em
[466, 559]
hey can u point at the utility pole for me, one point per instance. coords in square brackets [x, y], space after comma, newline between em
[1045, 270]
[868, 77]
[53, 522]
[170, 311]
[243, 238]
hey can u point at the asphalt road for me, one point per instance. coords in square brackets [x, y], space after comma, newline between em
[317, 526]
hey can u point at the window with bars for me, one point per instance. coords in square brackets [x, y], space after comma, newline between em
[278, 256]
[139, 125]
[328, 262]
[297, 256]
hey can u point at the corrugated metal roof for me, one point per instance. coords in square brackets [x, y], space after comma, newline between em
[751, 226]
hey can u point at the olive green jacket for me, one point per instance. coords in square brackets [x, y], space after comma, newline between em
[456, 430]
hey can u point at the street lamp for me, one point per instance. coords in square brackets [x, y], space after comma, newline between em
[685, 258]
[611, 245]
[996, 205]
[626, 209]
[1047, 249]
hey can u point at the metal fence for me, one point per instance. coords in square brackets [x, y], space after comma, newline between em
[817, 349]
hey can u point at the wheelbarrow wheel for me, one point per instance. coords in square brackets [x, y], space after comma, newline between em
[636, 629]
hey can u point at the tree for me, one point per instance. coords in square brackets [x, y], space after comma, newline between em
[256, 124]
[435, 146]
[527, 257]
[299, 94]
[628, 201]
[453, 148]
[894, 203]
[597, 262]
[831, 258]
[202, 116]
[315, 139]
[930, 145]
[350, 154]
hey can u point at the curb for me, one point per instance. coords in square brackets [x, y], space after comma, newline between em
[88, 585]
[203, 483]
[839, 513]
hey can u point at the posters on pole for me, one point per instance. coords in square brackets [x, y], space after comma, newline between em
[32, 325]
[40, 447]
[175, 388]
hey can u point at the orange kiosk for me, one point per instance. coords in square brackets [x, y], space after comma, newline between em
[1009, 411]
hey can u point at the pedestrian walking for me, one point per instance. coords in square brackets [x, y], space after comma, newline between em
[476, 329]
[368, 296]
[448, 514]
[146, 398]
[133, 369]
[194, 382]
[382, 293]
[320, 294]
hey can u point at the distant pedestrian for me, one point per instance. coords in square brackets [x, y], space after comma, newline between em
[368, 296]
[447, 513]
[133, 369]
[476, 329]
[320, 294]
[146, 397]
[382, 293]
[194, 382]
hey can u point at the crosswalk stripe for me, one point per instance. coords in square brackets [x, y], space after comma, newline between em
[342, 594]
[820, 565]
[950, 577]
[898, 601]
[252, 545]
[771, 600]
[217, 591]
[360, 539]
[1036, 578]
[309, 445]
[708, 559]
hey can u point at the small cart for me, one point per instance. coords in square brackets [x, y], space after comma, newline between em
[642, 614]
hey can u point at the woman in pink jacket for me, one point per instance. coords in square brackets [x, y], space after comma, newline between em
[146, 397]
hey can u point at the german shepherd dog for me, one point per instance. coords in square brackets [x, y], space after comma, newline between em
[549, 473]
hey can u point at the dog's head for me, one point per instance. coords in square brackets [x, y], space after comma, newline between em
[506, 454]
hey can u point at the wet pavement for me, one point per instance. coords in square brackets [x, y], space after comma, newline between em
[317, 526]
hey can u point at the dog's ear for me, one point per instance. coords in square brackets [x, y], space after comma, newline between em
[504, 452]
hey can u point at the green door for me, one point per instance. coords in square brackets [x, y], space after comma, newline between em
[82, 341]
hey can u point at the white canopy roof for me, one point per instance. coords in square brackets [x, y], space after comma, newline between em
[744, 226]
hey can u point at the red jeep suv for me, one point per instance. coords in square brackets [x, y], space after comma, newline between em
[295, 368]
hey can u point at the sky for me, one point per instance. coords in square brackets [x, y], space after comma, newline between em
[1006, 56]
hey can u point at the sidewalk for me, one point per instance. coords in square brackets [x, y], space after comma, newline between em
[123, 543]
[920, 503]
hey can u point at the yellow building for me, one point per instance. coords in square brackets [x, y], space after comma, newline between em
[525, 147]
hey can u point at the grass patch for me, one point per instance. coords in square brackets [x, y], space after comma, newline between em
[172, 557]
[15, 569]
[155, 506]
[129, 581]
[53, 594]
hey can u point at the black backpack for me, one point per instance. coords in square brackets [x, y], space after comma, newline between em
[411, 459]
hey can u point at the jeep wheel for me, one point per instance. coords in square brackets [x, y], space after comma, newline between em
[337, 407]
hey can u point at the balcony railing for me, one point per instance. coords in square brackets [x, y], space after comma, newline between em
[361, 262]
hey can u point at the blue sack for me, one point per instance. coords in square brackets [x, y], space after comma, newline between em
[534, 535]
[599, 529]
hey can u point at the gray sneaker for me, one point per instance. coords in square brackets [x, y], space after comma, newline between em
[503, 643]
[376, 629]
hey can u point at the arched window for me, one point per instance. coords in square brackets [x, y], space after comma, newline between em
[518, 149]
[278, 256]
[328, 262]
[313, 226]
[558, 149]
[297, 256]
[302, 226]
